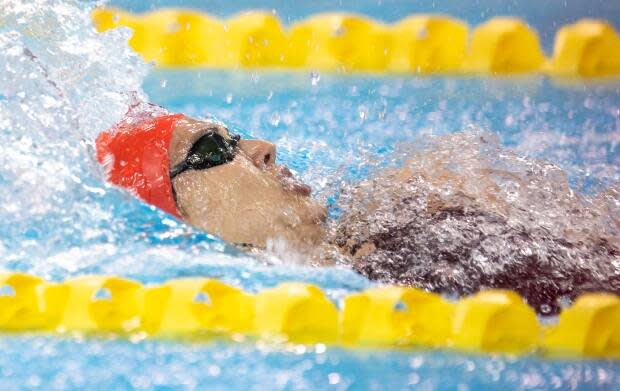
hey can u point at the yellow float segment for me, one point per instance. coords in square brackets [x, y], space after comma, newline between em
[170, 37]
[428, 44]
[396, 315]
[177, 38]
[254, 39]
[190, 305]
[343, 42]
[590, 327]
[588, 48]
[21, 307]
[504, 46]
[100, 303]
[495, 321]
[109, 18]
[299, 312]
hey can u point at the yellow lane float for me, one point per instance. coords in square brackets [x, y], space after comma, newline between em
[590, 328]
[190, 305]
[395, 315]
[495, 321]
[300, 312]
[21, 304]
[492, 321]
[99, 303]
[254, 39]
[428, 44]
[344, 42]
[349, 42]
[504, 46]
[588, 48]
[169, 37]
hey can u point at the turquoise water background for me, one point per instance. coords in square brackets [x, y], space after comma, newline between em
[328, 128]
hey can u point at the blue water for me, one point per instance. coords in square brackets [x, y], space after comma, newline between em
[341, 122]
[328, 128]
[51, 363]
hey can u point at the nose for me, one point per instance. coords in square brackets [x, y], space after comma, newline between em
[262, 153]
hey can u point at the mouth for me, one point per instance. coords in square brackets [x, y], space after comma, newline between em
[290, 183]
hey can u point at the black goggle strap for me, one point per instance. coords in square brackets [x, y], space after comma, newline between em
[178, 169]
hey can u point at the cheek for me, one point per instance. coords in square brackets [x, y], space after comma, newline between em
[229, 188]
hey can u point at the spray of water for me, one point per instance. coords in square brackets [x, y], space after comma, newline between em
[466, 213]
[61, 83]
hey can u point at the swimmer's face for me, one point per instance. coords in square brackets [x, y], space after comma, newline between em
[248, 200]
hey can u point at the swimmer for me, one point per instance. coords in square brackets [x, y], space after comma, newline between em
[427, 224]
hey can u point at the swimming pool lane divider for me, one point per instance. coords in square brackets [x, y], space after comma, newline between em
[425, 44]
[487, 322]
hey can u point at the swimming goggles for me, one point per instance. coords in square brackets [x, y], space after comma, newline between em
[210, 150]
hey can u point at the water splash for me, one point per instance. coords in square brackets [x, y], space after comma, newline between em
[466, 214]
[61, 83]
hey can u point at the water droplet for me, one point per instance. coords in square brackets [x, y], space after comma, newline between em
[416, 362]
[214, 370]
[333, 378]
[340, 31]
[315, 77]
[414, 378]
[173, 27]
[363, 112]
[422, 34]
[564, 302]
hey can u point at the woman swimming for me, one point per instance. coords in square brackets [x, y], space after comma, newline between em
[454, 219]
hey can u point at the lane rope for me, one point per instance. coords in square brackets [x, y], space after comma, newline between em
[491, 321]
[424, 44]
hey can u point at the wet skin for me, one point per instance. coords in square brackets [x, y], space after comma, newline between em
[250, 200]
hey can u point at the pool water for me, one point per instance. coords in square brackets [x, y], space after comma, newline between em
[60, 219]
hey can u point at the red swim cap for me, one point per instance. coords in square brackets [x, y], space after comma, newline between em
[136, 157]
